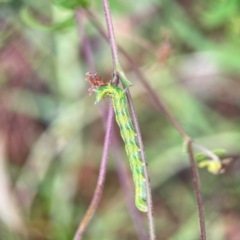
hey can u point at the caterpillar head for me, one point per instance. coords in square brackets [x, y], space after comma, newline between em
[103, 92]
[101, 88]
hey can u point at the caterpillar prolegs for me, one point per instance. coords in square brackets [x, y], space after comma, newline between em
[128, 134]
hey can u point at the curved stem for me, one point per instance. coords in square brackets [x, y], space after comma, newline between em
[148, 187]
[111, 34]
[101, 178]
[197, 190]
[154, 97]
[114, 49]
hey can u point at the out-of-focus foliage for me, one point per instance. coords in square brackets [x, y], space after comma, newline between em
[71, 4]
[51, 133]
[30, 21]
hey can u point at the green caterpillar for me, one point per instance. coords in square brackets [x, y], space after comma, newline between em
[128, 134]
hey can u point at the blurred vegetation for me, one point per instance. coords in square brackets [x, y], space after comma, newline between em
[52, 134]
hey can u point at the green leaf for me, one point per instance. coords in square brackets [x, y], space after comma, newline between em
[219, 152]
[71, 4]
[201, 156]
[220, 12]
[29, 20]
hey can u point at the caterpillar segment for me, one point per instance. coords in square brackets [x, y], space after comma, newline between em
[128, 134]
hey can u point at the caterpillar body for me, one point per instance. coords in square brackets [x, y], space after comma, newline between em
[128, 134]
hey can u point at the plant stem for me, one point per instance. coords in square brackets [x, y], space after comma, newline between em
[101, 178]
[197, 190]
[148, 187]
[111, 34]
[114, 49]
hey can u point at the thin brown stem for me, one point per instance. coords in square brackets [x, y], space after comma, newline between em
[101, 178]
[114, 47]
[148, 187]
[197, 190]
[153, 95]
[111, 34]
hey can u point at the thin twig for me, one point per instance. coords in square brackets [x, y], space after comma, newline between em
[111, 34]
[153, 95]
[148, 187]
[102, 173]
[101, 178]
[197, 190]
[114, 47]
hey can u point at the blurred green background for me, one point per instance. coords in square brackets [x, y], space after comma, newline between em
[51, 133]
